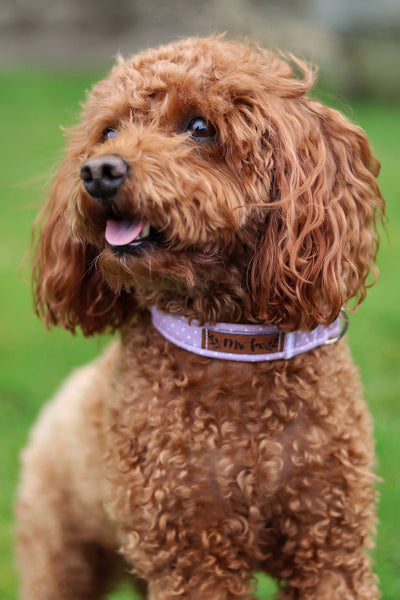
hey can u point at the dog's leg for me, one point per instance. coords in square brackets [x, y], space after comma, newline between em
[184, 562]
[55, 565]
[65, 545]
[324, 556]
[333, 586]
[205, 564]
[201, 586]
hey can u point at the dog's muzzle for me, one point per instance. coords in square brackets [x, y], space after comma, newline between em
[102, 177]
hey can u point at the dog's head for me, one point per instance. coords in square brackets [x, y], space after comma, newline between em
[202, 179]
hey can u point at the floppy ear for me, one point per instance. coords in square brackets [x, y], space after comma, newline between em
[68, 290]
[320, 240]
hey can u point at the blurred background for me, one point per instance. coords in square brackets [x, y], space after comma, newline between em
[51, 52]
[356, 42]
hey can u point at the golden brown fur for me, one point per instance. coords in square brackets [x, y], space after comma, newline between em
[201, 471]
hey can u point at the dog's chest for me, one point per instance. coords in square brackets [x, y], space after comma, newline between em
[202, 439]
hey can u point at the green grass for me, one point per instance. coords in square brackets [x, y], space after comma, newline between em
[33, 105]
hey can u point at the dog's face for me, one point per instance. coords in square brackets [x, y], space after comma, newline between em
[157, 185]
[202, 179]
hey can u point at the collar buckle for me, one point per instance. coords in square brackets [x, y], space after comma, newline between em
[345, 323]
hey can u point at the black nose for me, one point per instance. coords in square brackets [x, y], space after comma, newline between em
[103, 175]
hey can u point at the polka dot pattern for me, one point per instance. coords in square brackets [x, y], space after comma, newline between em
[177, 330]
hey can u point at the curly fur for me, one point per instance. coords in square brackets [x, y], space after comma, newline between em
[202, 471]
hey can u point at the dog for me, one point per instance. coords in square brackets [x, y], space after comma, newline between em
[220, 220]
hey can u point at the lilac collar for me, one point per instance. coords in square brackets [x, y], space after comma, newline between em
[247, 343]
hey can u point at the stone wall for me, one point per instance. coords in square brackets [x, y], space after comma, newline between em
[355, 42]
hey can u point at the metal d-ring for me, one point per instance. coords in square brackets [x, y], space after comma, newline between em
[345, 324]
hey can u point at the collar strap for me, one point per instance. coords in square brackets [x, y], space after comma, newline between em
[248, 342]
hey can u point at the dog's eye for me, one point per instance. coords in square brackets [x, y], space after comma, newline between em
[108, 133]
[200, 129]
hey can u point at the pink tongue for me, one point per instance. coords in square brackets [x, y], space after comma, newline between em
[122, 233]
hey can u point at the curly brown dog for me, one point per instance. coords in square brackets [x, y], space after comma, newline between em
[219, 219]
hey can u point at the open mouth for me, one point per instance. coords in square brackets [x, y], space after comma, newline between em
[129, 235]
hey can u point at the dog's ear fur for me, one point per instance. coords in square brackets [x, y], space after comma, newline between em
[68, 290]
[318, 248]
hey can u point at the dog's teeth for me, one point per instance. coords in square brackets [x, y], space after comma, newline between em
[145, 231]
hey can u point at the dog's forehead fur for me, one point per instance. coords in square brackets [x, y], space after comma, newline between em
[209, 75]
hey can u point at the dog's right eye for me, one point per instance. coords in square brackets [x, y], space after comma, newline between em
[200, 129]
[108, 133]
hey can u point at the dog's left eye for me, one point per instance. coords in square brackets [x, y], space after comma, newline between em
[108, 133]
[201, 129]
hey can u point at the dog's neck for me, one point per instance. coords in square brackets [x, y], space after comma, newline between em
[243, 342]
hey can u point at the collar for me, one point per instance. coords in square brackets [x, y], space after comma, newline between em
[246, 343]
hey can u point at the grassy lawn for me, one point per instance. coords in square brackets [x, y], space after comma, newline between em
[33, 361]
